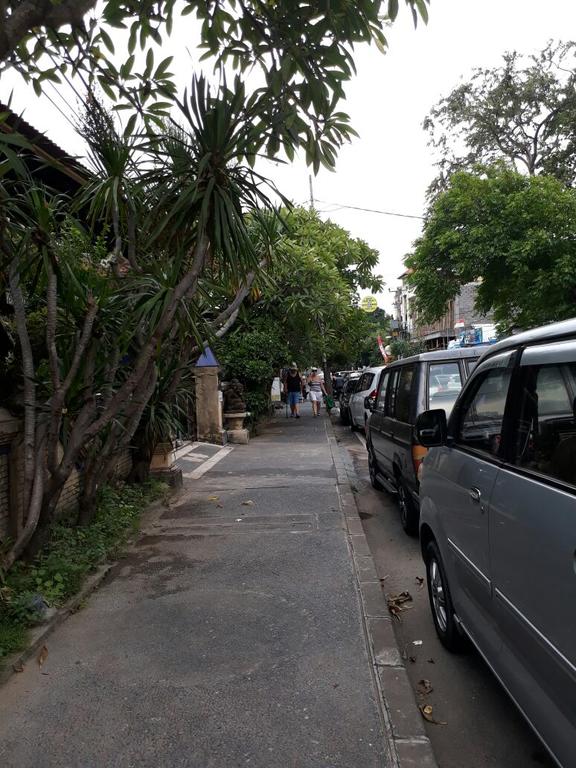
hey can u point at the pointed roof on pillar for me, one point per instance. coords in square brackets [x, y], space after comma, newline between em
[207, 359]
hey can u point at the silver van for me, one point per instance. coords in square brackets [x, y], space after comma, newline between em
[498, 524]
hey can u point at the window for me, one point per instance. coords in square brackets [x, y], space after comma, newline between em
[471, 363]
[546, 430]
[399, 407]
[444, 384]
[482, 412]
[392, 386]
[365, 382]
[381, 402]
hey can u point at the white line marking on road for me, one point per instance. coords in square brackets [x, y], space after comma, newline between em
[362, 439]
[197, 474]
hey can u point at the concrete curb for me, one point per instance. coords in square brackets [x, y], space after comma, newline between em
[408, 745]
[39, 634]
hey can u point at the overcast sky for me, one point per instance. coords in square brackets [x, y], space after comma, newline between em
[390, 166]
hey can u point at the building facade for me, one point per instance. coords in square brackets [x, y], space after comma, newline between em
[460, 315]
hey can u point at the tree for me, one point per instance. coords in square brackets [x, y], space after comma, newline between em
[303, 51]
[522, 112]
[515, 234]
[307, 302]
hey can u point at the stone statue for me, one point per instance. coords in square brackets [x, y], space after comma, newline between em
[234, 398]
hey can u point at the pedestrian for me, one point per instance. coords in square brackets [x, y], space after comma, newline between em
[317, 389]
[293, 390]
[304, 390]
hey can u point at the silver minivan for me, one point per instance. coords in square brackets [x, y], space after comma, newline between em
[498, 524]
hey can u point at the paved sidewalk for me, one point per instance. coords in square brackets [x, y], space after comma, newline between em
[230, 635]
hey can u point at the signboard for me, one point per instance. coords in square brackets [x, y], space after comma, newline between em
[369, 304]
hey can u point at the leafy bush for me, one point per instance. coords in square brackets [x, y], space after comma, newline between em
[71, 554]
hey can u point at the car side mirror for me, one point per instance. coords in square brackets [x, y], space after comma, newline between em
[369, 403]
[432, 428]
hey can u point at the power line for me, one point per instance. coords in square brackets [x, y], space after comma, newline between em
[372, 210]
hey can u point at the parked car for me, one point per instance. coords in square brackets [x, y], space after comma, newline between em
[407, 388]
[366, 388]
[498, 524]
[347, 391]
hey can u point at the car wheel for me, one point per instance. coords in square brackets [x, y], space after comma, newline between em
[441, 601]
[373, 470]
[353, 426]
[408, 511]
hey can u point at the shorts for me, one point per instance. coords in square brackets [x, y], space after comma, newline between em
[316, 397]
[294, 398]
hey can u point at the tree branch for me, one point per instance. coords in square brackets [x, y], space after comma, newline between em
[30, 14]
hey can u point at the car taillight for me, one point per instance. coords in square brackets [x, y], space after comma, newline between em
[418, 454]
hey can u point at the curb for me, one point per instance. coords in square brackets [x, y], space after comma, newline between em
[38, 634]
[408, 744]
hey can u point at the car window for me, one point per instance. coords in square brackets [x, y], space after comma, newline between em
[365, 382]
[400, 407]
[546, 430]
[444, 384]
[471, 363]
[381, 402]
[481, 414]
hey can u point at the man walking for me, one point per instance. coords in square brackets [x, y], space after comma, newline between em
[293, 390]
[317, 389]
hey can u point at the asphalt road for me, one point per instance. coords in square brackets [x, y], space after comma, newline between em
[481, 727]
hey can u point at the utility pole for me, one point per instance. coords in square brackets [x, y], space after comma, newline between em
[311, 192]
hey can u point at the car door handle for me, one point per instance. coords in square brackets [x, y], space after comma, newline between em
[475, 494]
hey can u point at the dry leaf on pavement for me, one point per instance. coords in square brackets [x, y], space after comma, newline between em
[248, 503]
[396, 603]
[42, 656]
[420, 581]
[19, 667]
[427, 713]
[424, 687]
[213, 498]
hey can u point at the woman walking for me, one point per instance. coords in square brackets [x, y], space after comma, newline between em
[317, 389]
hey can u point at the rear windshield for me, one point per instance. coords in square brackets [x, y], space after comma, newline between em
[444, 384]
[365, 381]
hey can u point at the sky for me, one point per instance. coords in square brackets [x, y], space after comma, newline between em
[390, 166]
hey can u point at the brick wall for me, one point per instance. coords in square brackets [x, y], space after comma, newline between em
[4, 492]
[10, 467]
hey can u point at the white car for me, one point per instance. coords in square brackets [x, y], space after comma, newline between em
[366, 387]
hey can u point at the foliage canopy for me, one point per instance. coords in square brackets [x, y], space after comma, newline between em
[514, 233]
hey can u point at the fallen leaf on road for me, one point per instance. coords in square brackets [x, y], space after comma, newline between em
[213, 498]
[427, 713]
[420, 581]
[416, 642]
[424, 687]
[19, 667]
[396, 603]
[383, 578]
[248, 503]
[412, 659]
[431, 661]
[42, 656]
[220, 505]
[239, 519]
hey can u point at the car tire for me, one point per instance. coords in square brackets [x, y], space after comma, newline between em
[353, 426]
[409, 515]
[441, 601]
[372, 469]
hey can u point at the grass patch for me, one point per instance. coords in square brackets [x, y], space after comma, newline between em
[71, 554]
